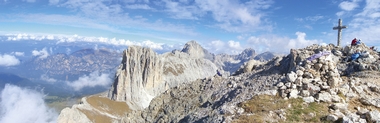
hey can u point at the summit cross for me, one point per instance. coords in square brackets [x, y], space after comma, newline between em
[339, 28]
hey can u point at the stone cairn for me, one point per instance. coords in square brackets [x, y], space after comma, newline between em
[320, 80]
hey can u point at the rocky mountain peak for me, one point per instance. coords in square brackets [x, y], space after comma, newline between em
[196, 50]
[266, 56]
[247, 53]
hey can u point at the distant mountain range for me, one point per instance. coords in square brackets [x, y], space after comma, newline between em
[70, 67]
[59, 69]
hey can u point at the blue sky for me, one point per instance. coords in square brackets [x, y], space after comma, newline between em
[221, 26]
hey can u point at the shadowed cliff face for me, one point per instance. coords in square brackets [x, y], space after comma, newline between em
[144, 74]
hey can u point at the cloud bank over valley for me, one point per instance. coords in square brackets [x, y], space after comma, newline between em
[20, 105]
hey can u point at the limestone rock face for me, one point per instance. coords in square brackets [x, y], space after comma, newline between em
[72, 116]
[144, 74]
[139, 70]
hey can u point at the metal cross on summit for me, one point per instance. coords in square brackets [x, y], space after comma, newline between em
[339, 28]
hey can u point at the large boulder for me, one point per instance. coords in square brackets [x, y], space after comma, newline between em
[373, 116]
[250, 65]
[324, 97]
[291, 76]
[332, 117]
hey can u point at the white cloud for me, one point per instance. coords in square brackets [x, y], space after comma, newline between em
[41, 54]
[181, 10]
[310, 18]
[20, 105]
[8, 60]
[153, 45]
[234, 16]
[231, 47]
[53, 2]
[280, 44]
[308, 27]
[301, 41]
[30, 1]
[234, 45]
[75, 38]
[94, 79]
[18, 37]
[230, 15]
[18, 53]
[99, 9]
[314, 18]
[348, 6]
[138, 6]
[371, 9]
[46, 78]
[339, 14]
[103, 20]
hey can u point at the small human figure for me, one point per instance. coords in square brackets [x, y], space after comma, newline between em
[353, 42]
[373, 48]
[359, 41]
[217, 72]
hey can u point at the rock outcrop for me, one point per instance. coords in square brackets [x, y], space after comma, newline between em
[248, 66]
[331, 78]
[212, 99]
[145, 74]
[71, 115]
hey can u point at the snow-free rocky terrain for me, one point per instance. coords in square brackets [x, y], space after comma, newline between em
[182, 86]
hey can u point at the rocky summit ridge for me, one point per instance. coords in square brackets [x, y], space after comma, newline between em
[317, 74]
